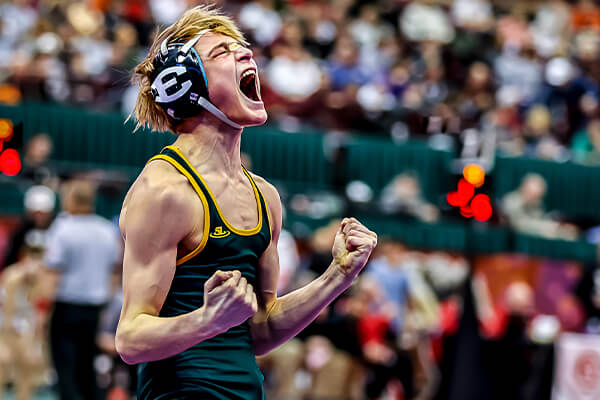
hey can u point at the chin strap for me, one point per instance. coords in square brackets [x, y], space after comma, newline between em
[211, 108]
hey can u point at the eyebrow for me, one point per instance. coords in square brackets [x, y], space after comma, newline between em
[222, 44]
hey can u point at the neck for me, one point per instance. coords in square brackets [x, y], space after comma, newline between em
[212, 147]
[83, 210]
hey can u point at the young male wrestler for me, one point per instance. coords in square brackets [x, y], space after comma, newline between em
[201, 263]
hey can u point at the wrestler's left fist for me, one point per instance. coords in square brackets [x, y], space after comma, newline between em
[352, 246]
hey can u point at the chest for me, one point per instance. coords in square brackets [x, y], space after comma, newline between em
[234, 224]
[236, 202]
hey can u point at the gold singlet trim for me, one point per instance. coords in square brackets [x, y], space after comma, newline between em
[197, 189]
[241, 232]
[266, 203]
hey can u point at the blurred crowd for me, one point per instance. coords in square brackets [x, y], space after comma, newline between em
[516, 77]
[522, 76]
[415, 325]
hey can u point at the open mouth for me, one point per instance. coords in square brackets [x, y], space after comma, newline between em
[249, 85]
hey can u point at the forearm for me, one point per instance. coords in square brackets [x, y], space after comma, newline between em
[148, 338]
[290, 314]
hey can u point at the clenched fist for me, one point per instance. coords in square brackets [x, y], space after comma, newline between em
[229, 300]
[352, 246]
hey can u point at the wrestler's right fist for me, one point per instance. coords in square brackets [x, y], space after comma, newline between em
[229, 300]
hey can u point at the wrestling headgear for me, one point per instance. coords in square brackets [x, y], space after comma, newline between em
[179, 84]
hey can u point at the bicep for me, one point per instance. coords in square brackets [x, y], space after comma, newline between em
[268, 276]
[147, 277]
[153, 228]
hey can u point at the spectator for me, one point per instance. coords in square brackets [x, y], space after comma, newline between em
[586, 144]
[539, 142]
[423, 22]
[344, 67]
[563, 92]
[293, 61]
[261, 20]
[39, 213]
[402, 196]
[82, 250]
[369, 32]
[525, 212]
[475, 15]
[549, 30]
[585, 15]
[387, 272]
[517, 68]
[383, 359]
[23, 335]
[37, 166]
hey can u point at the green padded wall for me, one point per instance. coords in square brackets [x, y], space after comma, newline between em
[85, 139]
[572, 189]
[376, 161]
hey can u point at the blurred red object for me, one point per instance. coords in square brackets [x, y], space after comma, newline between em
[452, 199]
[482, 207]
[461, 197]
[10, 162]
[466, 190]
[466, 212]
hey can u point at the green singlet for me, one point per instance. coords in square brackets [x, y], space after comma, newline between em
[223, 367]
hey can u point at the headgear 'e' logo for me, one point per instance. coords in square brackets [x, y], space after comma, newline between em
[160, 86]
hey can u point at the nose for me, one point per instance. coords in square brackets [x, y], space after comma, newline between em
[244, 54]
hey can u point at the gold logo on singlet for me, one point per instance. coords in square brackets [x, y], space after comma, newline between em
[219, 233]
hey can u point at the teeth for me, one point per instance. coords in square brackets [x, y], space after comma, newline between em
[247, 73]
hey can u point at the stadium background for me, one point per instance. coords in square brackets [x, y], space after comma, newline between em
[374, 110]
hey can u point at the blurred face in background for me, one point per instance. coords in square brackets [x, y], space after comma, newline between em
[407, 187]
[346, 51]
[538, 121]
[292, 32]
[533, 191]
[519, 299]
[78, 197]
[41, 219]
[38, 149]
[479, 76]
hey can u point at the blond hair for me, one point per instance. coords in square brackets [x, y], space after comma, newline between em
[80, 194]
[147, 112]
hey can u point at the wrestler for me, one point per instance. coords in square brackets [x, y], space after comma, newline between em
[201, 264]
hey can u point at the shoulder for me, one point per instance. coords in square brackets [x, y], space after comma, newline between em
[59, 225]
[268, 190]
[158, 195]
[106, 226]
[159, 184]
[11, 276]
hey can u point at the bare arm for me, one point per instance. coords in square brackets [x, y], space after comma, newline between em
[158, 217]
[279, 319]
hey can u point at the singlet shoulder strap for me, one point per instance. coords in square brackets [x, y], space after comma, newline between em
[206, 229]
[263, 202]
